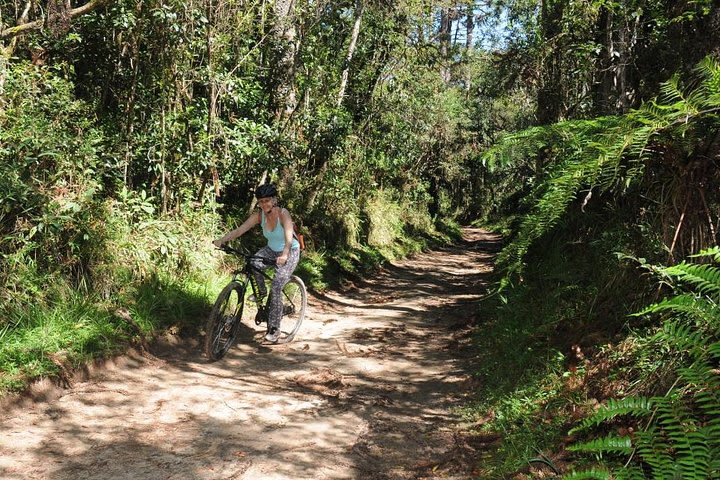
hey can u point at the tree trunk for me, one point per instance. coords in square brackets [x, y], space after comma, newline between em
[614, 89]
[284, 33]
[212, 102]
[38, 24]
[130, 105]
[549, 101]
[8, 52]
[444, 39]
[469, 39]
[359, 8]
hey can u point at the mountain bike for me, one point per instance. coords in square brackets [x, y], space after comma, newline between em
[239, 304]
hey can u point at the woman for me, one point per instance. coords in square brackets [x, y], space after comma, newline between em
[277, 227]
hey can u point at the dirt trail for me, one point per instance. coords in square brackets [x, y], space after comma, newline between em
[365, 392]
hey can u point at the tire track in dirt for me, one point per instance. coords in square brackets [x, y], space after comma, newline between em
[366, 391]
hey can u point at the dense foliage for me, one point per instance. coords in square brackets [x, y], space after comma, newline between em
[133, 132]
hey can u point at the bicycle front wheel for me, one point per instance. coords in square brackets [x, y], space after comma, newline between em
[294, 307]
[223, 324]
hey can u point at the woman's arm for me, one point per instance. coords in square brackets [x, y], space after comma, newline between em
[251, 221]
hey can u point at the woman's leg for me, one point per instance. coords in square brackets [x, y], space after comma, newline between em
[282, 275]
[265, 252]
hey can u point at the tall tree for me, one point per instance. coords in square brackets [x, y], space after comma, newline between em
[615, 89]
[284, 31]
[444, 38]
[549, 99]
[359, 8]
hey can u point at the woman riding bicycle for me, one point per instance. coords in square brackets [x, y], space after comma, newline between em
[277, 227]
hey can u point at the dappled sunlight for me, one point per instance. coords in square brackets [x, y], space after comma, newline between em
[366, 391]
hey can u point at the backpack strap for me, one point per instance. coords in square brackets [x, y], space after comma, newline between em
[298, 236]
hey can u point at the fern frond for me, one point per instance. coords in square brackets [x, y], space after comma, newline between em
[682, 439]
[670, 91]
[709, 69]
[713, 253]
[653, 449]
[611, 443]
[636, 406]
[592, 474]
[684, 338]
[703, 376]
[693, 454]
[703, 278]
[686, 303]
[608, 153]
[516, 147]
[631, 472]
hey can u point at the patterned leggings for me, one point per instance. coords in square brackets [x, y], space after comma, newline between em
[282, 275]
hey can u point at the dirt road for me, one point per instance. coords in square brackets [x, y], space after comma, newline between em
[366, 391]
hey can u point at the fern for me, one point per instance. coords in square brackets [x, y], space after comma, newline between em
[607, 154]
[610, 443]
[685, 303]
[630, 473]
[684, 338]
[704, 278]
[682, 436]
[712, 253]
[592, 474]
[636, 406]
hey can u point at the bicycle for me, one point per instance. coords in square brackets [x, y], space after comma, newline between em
[235, 307]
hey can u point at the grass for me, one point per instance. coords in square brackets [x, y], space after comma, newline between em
[72, 331]
[67, 327]
[573, 297]
[514, 340]
[159, 304]
[43, 338]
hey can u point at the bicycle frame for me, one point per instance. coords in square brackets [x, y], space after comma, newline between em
[227, 314]
[245, 276]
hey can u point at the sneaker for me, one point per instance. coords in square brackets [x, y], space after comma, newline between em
[273, 335]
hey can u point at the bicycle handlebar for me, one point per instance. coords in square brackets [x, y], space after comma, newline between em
[228, 249]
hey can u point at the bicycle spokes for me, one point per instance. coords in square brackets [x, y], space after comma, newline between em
[223, 323]
[293, 309]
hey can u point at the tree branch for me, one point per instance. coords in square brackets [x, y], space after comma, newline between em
[38, 24]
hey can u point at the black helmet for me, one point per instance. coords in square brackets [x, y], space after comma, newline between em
[266, 190]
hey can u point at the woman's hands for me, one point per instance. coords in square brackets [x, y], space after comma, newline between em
[282, 259]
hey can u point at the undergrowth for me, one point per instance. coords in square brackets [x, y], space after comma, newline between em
[47, 339]
[670, 430]
[573, 296]
[594, 384]
[152, 276]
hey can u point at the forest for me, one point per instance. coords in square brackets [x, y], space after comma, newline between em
[586, 132]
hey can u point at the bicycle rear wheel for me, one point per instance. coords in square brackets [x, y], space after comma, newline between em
[223, 324]
[294, 307]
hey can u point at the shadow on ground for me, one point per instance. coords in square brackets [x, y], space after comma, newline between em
[366, 392]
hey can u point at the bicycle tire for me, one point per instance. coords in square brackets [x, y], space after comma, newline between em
[223, 323]
[294, 308]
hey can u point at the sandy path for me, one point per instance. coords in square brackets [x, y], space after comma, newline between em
[365, 392]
